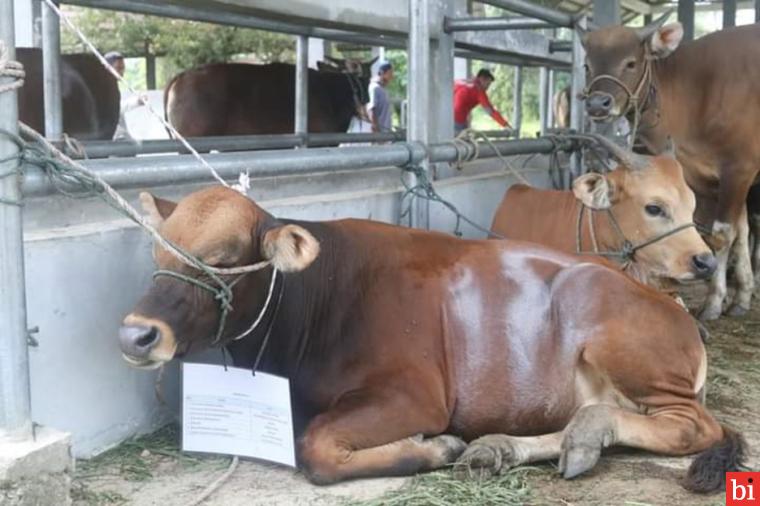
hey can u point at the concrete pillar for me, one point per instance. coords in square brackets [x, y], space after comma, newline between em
[461, 68]
[686, 17]
[607, 12]
[729, 13]
[24, 22]
[379, 53]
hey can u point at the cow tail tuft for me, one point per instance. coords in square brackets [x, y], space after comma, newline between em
[707, 472]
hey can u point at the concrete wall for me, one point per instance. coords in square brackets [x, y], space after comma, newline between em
[86, 267]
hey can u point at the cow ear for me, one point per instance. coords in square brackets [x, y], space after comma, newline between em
[594, 190]
[290, 248]
[666, 39]
[157, 209]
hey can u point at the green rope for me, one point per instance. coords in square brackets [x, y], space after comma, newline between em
[65, 177]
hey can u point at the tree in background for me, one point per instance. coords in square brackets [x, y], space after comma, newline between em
[179, 44]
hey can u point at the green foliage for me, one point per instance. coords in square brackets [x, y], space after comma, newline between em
[181, 44]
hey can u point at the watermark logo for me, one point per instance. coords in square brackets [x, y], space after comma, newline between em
[742, 489]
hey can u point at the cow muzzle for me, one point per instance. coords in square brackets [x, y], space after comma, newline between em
[704, 265]
[599, 105]
[146, 343]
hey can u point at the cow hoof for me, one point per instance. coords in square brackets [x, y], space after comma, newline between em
[709, 314]
[477, 462]
[577, 460]
[704, 334]
[451, 447]
[737, 310]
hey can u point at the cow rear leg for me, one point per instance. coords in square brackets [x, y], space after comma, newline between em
[742, 270]
[689, 429]
[496, 453]
[377, 434]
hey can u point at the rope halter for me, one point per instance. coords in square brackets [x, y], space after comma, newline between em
[628, 249]
[222, 292]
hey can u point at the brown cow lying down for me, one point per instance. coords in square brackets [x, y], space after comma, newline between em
[646, 196]
[406, 343]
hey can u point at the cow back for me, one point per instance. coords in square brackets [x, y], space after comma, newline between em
[90, 95]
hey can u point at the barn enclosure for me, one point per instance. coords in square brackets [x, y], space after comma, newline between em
[71, 267]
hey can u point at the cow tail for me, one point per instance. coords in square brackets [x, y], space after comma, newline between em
[707, 472]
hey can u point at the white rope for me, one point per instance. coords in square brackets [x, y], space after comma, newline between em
[10, 68]
[242, 181]
[263, 308]
[138, 218]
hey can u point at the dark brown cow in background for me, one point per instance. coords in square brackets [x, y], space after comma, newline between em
[706, 95]
[90, 94]
[242, 99]
[398, 342]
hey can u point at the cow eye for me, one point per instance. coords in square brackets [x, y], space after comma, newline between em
[654, 210]
[630, 65]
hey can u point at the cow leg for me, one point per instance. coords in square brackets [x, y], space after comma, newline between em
[683, 430]
[717, 291]
[497, 453]
[377, 434]
[742, 269]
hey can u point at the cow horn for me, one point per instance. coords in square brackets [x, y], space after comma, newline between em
[645, 32]
[626, 158]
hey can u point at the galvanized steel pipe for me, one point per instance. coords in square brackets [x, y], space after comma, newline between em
[15, 409]
[51, 72]
[302, 85]
[492, 23]
[181, 169]
[533, 10]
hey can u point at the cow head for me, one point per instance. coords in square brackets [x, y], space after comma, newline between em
[222, 228]
[618, 64]
[358, 74]
[648, 197]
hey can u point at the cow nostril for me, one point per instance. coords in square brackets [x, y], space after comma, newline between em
[607, 102]
[149, 339]
[705, 264]
[138, 340]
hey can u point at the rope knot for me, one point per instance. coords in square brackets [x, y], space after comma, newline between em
[10, 68]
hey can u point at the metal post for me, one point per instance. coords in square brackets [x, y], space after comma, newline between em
[15, 410]
[606, 12]
[150, 67]
[417, 96]
[686, 17]
[517, 104]
[51, 70]
[302, 85]
[37, 23]
[543, 89]
[550, 100]
[729, 13]
[757, 11]
[534, 10]
[577, 84]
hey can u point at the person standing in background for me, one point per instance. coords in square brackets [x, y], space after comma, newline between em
[379, 107]
[470, 93]
[116, 60]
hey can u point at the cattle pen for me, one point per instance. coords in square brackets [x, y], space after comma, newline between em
[70, 267]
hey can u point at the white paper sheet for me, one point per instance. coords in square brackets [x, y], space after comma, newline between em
[236, 413]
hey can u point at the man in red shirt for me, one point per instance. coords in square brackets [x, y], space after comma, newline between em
[468, 94]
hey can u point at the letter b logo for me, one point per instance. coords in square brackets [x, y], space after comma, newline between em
[742, 489]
